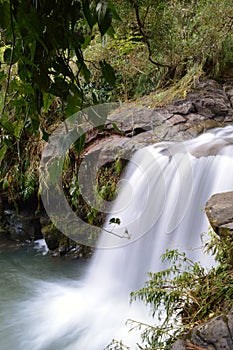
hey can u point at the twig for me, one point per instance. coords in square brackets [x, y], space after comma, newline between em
[193, 346]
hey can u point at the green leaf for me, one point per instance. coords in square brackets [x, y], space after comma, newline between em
[115, 127]
[85, 72]
[115, 15]
[23, 72]
[3, 151]
[6, 124]
[2, 76]
[74, 101]
[108, 72]
[5, 184]
[60, 88]
[20, 102]
[116, 221]
[11, 55]
[8, 56]
[48, 99]
[35, 121]
[87, 41]
[4, 14]
[104, 15]
[79, 144]
[18, 126]
[91, 20]
[111, 32]
[45, 135]
[95, 98]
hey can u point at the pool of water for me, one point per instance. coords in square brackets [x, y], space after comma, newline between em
[26, 274]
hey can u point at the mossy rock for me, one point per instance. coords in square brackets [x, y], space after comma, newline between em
[52, 236]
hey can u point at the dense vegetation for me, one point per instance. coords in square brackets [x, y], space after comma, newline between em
[184, 295]
[58, 57]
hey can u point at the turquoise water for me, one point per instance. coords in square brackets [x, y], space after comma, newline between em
[25, 273]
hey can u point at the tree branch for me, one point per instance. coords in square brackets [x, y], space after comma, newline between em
[144, 36]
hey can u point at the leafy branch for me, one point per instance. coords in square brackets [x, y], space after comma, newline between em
[185, 294]
[144, 36]
[11, 57]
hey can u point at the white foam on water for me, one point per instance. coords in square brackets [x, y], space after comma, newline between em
[159, 207]
[41, 246]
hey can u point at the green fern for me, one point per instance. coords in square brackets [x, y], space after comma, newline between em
[30, 185]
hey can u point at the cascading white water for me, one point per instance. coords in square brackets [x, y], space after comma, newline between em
[159, 207]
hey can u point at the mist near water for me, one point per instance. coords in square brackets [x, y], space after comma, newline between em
[160, 206]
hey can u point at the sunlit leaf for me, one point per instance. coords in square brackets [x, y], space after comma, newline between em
[104, 16]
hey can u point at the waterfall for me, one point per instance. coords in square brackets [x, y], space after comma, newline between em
[160, 206]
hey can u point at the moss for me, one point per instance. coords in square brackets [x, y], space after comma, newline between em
[52, 236]
[108, 178]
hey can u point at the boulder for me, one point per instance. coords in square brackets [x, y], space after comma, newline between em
[208, 105]
[60, 245]
[21, 228]
[213, 335]
[132, 126]
[219, 210]
[216, 334]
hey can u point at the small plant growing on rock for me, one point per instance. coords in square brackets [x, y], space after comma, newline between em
[185, 294]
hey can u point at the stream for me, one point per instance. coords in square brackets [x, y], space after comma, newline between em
[58, 304]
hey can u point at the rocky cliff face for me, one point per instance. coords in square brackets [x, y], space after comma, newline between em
[219, 210]
[217, 334]
[207, 105]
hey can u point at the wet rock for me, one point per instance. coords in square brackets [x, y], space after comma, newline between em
[179, 345]
[134, 125]
[210, 99]
[219, 210]
[182, 107]
[208, 105]
[22, 228]
[60, 245]
[176, 119]
[52, 236]
[213, 335]
[216, 334]
[132, 119]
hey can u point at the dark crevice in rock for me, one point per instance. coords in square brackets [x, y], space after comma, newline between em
[138, 124]
[136, 131]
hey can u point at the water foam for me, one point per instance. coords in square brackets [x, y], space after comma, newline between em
[159, 207]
